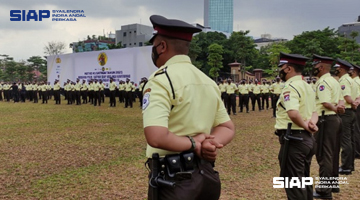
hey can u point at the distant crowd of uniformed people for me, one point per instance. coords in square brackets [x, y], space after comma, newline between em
[79, 92]
[259, 93]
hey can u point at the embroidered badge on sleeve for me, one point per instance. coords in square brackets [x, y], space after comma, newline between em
[322, 87]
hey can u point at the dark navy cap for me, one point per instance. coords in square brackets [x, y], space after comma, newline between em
[322, 59]
[355, 66]
[292, 58]
[342, 63]
[172, 28]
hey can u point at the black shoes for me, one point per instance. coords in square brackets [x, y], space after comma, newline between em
[344, 171]
[335, 190]
[322, 195]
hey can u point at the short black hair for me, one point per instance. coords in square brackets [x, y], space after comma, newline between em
[298, 68]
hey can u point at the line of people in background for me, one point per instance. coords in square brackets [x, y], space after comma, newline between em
[78, 93]
[256, 92]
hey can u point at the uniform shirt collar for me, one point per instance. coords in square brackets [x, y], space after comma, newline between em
[345, 76]
[176, 59]
[294, 78]
[324, 76]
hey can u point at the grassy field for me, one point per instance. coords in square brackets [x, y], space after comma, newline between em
[86, 152]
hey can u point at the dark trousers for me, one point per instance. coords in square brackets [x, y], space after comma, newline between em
[35, 96]
[231, 103]
[254, 100]
[265, 98]
[357, 133]
[275, 99]
[102, 96]
[332, 126]
[97, 98]
[44, 97]
[22, 96]
[224, 97]
[77, 95]
[140, 95]
[91, 96]
[1, 95]
[347, 151]
[69, 97]
[84, 96]
[31, 95]
[7, 95]
[128, 99]
[112, 98]
[298, 163]
[122, 96]
[57, 97]
[16, 96]
[204, 185]
[244, 102]
[40, 94]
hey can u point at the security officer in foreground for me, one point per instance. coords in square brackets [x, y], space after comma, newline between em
[296, 105]
[349, 92]
[355, 76]
[328, 94]
[183, 113]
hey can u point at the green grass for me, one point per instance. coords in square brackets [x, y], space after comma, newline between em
[86, 152]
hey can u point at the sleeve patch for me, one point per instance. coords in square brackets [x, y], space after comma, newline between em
[343, 87]
[146, 100]
[322, 87]
[287, 97]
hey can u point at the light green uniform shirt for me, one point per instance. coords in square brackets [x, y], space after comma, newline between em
[195, 108]
[296, 95]
[96, 87]
[230, 88]
[327, 90]
[265, 89]
[128, 87]
[243, 89]
[348, 88]
[222, 87]
[256, 89]
[276, 88]
[57, 86]
[112, 86]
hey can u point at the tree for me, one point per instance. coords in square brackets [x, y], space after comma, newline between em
[273, 54]
[323, 42]
[54, 48]
[349, 50]
[214, 59]
[242, 47]
[38, 64]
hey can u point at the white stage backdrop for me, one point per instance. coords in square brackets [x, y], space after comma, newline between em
[133, 63]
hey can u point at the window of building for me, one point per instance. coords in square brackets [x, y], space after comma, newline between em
[124, 45]
[134, 31]
[140, 44]
[135, 44]
[124, 34]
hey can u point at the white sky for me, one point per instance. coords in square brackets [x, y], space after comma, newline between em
[280, 18]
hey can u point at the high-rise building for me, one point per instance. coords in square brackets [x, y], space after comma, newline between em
[218, 15]
[347, 28]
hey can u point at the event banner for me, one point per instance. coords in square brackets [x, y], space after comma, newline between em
[120, 64]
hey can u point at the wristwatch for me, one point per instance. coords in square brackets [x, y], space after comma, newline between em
[193, 144]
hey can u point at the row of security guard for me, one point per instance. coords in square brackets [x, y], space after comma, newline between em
[258, 93]
[319, 122]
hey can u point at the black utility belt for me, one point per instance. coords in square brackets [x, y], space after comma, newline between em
[332, 115]
[175, 165]
[280, 132]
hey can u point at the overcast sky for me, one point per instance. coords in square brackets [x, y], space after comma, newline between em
[280, 18]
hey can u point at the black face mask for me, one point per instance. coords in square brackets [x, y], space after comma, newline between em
[282, 74]
[315, 71]
[336, 72]
[155, 55]
[350, 74]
